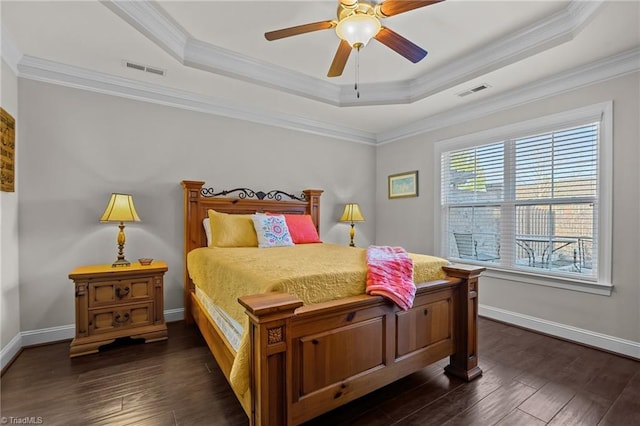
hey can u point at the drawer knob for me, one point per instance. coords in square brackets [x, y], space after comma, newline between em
[122, 292]
[124, 319]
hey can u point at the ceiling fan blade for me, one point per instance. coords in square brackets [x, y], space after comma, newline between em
[404, 47]
[394, 7]
[340, 60]
[300, 29]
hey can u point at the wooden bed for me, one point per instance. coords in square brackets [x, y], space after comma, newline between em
[304, 361]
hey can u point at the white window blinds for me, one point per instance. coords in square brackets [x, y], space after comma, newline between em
[527, 203]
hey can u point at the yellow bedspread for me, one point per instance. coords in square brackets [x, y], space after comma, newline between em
[313, 272]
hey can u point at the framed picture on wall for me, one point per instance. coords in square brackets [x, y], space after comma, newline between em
[403, 185]
[8, 139]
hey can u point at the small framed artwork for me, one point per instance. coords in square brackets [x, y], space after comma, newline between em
[8, 139]
[403, 185]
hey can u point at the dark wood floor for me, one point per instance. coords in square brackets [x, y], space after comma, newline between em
[529, 379]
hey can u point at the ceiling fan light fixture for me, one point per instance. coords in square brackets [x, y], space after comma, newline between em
[358, 29]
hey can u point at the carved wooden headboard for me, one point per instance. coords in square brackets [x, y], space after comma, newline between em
[198, 200]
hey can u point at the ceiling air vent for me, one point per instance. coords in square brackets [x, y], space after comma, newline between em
[474, 90]
[145, 68]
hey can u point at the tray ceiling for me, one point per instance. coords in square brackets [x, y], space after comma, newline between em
[214, 52]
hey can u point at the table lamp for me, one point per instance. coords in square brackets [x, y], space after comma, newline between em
[120, 209]
[352, 214]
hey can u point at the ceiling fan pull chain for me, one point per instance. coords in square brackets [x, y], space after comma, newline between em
[357, 71]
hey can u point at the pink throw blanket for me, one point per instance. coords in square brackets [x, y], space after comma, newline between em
[390, 274]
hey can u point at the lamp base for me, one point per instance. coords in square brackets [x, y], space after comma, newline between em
[352, 233]
[121, 262]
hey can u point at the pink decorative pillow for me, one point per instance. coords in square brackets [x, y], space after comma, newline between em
[301, 228]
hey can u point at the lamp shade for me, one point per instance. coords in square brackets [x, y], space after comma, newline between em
[357, 29]
[120, 209]
[352, 213]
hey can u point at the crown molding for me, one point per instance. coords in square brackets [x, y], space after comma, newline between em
[152, 21]
[79, 78]
[176, 40]
[391, 93]
[582, 12]
[549, 32]
[207, 57]
[612, 67]
[70, 76]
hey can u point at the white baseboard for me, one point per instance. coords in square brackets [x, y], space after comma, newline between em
[10, 350]
[48, 335]
[173, 315]
[590, 338]
[54, 334]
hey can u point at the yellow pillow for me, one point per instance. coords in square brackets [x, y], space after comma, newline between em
[232, 230]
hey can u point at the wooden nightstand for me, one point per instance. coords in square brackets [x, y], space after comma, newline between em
[118, 302]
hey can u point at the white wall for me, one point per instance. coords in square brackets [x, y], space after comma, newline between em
[10, 300]
[410, 221]
[77, 147]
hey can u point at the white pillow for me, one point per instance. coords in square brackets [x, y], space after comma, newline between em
[207, 229]
[272, 231]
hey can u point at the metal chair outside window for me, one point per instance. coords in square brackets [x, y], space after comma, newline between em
[468, 248]
[584, 258]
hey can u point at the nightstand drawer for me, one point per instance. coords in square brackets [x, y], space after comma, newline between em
[107, 320]
[117, 292]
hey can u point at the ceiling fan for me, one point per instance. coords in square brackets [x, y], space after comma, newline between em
[357, 23]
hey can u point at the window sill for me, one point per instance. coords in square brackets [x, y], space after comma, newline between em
[583, 286]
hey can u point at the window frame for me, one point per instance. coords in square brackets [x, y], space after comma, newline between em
[601, 112]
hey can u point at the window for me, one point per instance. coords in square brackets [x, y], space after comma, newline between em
[530, 198]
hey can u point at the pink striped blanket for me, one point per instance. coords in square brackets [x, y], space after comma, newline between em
[390, 274]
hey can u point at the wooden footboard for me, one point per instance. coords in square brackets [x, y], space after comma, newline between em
[307, 360]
